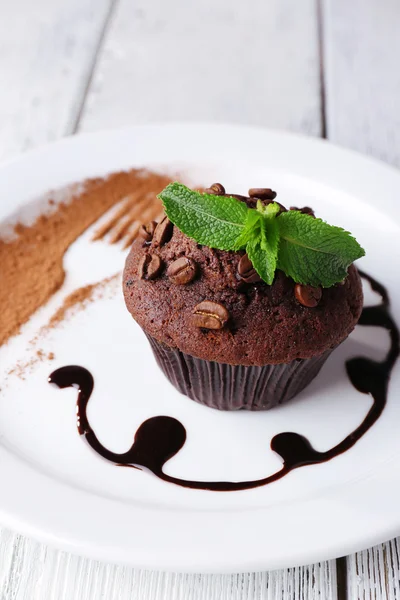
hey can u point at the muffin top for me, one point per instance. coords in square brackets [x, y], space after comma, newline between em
[211, 303]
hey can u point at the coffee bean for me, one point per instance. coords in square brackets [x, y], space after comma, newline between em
[307, 295]
[210, 315]
[306, 210]
[146, 232]
[282, 208]
[150, 266]
[238, 197]
[155, 267]
[246, 271]
[262, 193]
[182, 270]
[163, 232]
[217, 189]
[142, 267]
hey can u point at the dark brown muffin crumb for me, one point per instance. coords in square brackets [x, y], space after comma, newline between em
[266, 325]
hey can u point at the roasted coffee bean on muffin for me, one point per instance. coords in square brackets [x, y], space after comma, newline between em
[242, 301]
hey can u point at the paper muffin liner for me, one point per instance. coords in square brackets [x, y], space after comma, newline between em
[234, 387]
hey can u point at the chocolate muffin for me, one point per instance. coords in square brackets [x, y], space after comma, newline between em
[223, 336]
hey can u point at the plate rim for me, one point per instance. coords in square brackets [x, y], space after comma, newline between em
[13, 514]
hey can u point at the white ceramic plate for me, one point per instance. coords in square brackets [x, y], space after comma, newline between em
[56, 489]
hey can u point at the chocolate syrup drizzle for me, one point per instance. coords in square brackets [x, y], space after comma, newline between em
[158, 439]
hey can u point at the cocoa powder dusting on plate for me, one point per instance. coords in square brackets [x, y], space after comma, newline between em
[24, 367]
[31, 263]
[79, 299]
[73, 303]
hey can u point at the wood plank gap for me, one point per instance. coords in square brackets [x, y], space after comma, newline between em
[96, 54]
[322, 80]
[341, 578]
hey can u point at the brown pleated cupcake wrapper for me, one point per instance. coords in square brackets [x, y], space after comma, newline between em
[234, 387]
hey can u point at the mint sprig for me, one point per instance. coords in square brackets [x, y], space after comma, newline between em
[307, 249]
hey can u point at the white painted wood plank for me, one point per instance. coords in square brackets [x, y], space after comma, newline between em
[375, 573]
[361, 49]
[30, 571]
[254, 63]
[361, 59]
[47, 49]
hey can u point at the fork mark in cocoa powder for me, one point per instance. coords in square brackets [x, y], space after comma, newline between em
[138, 212]
[32, 261]
[159, 438]
[126, 205]
[134, 227]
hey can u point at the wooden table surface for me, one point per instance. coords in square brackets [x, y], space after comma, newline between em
[325, 68]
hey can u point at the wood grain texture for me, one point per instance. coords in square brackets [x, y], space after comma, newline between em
[31, 571]
[47, 49]
[362, 75]
[361, 49]
[254, 63]
[375, 574]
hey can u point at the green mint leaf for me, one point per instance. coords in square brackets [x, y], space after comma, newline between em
[268, 229]
[270, 239]
[313, 252]
[263, 234]
[264, 260]
[251, 226]
[262, 248]
[215, 221]
[270, 210]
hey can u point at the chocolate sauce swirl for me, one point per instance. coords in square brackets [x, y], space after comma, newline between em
[158, 439]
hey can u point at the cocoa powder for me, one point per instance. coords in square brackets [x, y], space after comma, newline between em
[79, 299]
[24, 367]
[31, 263]
[75, 301]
